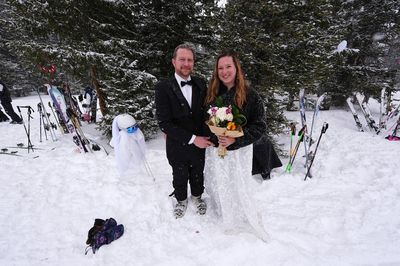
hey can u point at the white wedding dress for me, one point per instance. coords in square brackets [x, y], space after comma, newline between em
[225, 183]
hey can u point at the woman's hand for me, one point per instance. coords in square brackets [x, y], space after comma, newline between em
[225, 141]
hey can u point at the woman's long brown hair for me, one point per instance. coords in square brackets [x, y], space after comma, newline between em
[240, 83]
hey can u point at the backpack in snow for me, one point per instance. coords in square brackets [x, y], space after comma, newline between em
[103, 232]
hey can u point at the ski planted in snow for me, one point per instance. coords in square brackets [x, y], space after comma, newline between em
[302, 108]
[393, 136]
[311, 152]
[382, 110]
[355, 114]
[89, 105]
[393, 113]
[367, 113]
[79, 137]
[306, 140]
[315, 114]
[71, 102]
[59, 106]
[56, 118]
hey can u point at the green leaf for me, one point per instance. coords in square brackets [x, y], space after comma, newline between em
[219, 102]
[240, 120]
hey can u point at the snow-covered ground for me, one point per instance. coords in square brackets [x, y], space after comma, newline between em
[347, 214]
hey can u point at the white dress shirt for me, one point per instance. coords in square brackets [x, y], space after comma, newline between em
[187, 93]
[186, 90]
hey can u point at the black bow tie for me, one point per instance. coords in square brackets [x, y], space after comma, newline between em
[189, 82]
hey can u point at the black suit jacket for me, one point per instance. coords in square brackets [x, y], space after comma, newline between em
[178, 120]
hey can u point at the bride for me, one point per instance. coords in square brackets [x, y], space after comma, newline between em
[225, 178]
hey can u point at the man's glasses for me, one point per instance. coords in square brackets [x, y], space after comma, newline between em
[132, 129]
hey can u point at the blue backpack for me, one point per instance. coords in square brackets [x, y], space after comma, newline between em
[103, 233]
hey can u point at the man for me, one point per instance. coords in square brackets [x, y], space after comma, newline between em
[180, 114]
[5, 100]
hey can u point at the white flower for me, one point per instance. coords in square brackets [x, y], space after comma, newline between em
[221, 113]
[229, 117]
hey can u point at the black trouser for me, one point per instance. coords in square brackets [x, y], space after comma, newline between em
[3, 117]
[10, 111]
[192, 171]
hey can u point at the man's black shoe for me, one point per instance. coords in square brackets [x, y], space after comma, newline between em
[16, 122]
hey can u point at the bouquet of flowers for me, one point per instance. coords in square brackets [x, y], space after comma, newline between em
[225, 121]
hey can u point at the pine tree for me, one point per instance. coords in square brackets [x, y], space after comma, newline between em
[371, 27]
[80, 35]
[284, 46]
[166, 24]
[14, 70]
[130, 43]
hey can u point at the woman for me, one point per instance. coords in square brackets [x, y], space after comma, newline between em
[226, 177]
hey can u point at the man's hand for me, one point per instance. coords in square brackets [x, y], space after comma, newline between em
[202, 142]
[225, 141]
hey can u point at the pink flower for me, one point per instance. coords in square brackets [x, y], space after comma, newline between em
[214, 110]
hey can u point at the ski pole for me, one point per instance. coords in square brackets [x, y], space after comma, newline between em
[52, 133]
[27, 131]
[148, 169]
[323, 130]
[30, 110]
[296, 148]
[292, 133]
[40, 121]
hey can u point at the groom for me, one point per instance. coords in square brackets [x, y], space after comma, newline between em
[179, 110]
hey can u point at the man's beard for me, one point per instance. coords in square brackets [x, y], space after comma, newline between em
[185, 71]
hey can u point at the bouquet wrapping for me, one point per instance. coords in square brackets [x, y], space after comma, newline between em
[222, 131]
[226, 121]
